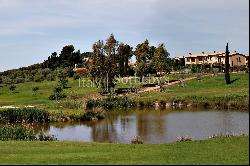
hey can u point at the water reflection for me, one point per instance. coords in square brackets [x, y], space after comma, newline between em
[153, 126]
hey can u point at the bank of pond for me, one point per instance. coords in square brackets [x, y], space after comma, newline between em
[121, 125]
[215, 102]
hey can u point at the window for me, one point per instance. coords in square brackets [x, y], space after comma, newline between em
[232, 63]
[200, 59]
[239, 59]
[193, 59]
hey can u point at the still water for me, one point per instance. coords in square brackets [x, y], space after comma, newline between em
[154, 126]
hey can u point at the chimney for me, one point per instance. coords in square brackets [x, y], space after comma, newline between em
[214, 51]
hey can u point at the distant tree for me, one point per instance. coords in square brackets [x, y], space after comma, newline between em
[98, 68]
[105, 63]
[227, 66]
[160, 59]
[12, 88]
[52, 62]
[68, 57]
[1, 80]
[124, 54]
[144, 54]
[35, 89]
[176, 64]
[57, 93]
[38, 77]
[62, 78]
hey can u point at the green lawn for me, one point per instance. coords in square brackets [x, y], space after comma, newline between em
[24, 95]
[208, 86]
[234, 150]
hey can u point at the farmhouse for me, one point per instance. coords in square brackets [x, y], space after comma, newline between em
[215, 58]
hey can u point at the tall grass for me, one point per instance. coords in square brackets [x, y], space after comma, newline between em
[22, 133]
[111, 102]
[16, 133]
[20, 115]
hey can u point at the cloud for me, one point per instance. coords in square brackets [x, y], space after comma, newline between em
[183, 25]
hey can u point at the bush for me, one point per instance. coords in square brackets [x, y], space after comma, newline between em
[50, 77]
[12, 87]
[38, 77]
[137, 140]
[184, 138]
[62, 79]
[35, 88]
[57, 93]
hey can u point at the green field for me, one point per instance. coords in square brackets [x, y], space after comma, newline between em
[232, 150]
[24, 95]
[208, 89]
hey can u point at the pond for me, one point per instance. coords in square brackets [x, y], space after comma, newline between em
[154, 126]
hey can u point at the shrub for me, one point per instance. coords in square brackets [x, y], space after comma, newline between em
[38, 77]
[137, 140]
[50, 77]
[62, 79]
[12, 87]
[184, 138]
[35, 88]
[57, 93]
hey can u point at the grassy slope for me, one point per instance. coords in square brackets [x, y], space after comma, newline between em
[215, 151]
[207, 87]
[25, 96]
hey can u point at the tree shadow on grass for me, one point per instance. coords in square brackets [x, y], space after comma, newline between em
[68, 87]
[232, 81]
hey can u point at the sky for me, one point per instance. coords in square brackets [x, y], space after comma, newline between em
[30, 30]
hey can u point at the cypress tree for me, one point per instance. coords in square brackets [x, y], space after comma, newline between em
[227, 66]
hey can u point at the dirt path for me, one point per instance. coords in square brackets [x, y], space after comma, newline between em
[14, 107]
[157, 87]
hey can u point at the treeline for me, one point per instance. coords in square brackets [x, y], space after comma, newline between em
[48, 70]
[108, 58]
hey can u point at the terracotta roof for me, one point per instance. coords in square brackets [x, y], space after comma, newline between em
[222, 54]
[81, 70]
[196, 55]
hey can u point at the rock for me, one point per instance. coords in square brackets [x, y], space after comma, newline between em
[157, 105]
[94, 119]
[168, 105]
